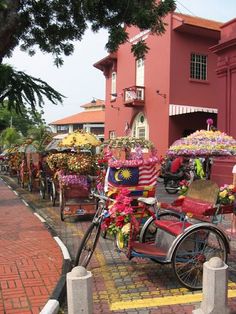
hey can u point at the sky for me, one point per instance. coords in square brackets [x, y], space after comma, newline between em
[78, 80]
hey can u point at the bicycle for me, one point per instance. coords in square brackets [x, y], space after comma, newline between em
[147, 208]
[175, 240]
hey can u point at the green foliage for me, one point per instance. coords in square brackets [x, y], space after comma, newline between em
[21, 89]
[9, 137]
[41, 136]
[53, 25]
[22, 123]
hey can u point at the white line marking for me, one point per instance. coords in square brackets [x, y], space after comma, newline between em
[63, 248]
[40, 217]
[26, 204]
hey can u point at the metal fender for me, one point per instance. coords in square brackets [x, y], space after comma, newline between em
[188, 230]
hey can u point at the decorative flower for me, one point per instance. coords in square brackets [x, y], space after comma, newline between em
[118, 220]
[226, 195]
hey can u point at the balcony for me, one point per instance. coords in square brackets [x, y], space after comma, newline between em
[134, 96]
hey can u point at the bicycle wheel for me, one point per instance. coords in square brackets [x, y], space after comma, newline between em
[42, 188]
[88, 245]
[53, 194]
[193, 250]
[30, 183]
[62, 205]
[149, 230]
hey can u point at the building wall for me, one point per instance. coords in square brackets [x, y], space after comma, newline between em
[226, 73]
[167, 82]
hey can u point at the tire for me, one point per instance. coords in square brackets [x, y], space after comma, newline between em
[171, 186]
[30, 183]
[194, 249]
[53, 194]
[42, 188]
[149, 230]
[62, 205]
[88, 245]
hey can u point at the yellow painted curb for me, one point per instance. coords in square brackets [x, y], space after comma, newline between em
[168, 300]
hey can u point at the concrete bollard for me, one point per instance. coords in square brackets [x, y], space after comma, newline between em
[215, 288]
[79, 291]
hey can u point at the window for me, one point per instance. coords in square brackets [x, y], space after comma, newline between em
[198, 67]
[140, 78]
[140, 127]
[112, 134]
[113, 85]
[62, 128]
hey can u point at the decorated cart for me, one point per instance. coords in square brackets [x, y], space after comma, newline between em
[208, 144]
[132, 164]
[75, 174]
[30, 165]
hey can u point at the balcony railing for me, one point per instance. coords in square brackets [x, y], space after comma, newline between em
[134, 96]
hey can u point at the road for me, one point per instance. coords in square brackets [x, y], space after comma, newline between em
[121, 285]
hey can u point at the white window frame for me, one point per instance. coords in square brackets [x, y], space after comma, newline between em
[198, 66]
[138, 126]
[112, 135]
[113, 85]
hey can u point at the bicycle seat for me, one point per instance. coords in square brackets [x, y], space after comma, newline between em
[147, 200]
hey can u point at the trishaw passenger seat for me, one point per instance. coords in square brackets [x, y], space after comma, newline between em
[173, 227]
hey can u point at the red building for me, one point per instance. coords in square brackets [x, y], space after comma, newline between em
[171, 92]
[226, 95]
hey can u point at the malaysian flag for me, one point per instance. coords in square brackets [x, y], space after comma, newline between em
[147, 175]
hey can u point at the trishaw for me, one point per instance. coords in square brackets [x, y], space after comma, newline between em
[75, 174]
[28, 171]
[47, 181]
[185, 233]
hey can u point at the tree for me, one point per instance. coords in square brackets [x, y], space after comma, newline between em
[9, 137]
[22, 123]
[53, 26]
[41, 136]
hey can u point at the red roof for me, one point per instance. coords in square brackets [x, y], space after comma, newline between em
[94, 103]
[199, 22]
[96, 116]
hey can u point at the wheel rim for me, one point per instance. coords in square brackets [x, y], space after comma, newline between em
[88, 245]
[196, 248]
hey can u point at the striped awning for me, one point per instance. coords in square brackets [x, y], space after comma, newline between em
[181, 109]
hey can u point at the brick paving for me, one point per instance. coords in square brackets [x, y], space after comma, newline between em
[115, 278]
[30, 259]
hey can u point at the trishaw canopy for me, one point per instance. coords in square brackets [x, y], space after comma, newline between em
[204, 143]
[80, 139]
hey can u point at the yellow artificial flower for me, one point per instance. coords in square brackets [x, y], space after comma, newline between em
[223, 193]
[231, 197]
[126, 228]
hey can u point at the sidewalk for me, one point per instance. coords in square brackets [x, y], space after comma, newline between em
[30, 259]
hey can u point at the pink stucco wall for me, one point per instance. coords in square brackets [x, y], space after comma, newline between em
[167, 67]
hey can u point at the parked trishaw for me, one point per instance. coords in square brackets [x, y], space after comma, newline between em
[185, 233]
[28, 171]
[74, 174]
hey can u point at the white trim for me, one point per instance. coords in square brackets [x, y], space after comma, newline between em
[181, 109]
[63, 248]
[51, 307]
[40, 217]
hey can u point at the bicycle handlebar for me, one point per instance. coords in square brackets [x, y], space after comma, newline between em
[103, 197]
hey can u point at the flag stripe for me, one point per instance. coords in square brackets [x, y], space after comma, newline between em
[147, 175]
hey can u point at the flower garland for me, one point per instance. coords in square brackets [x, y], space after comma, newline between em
[204, 143]
[132, 162]
[73, 179]
[119, 215]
